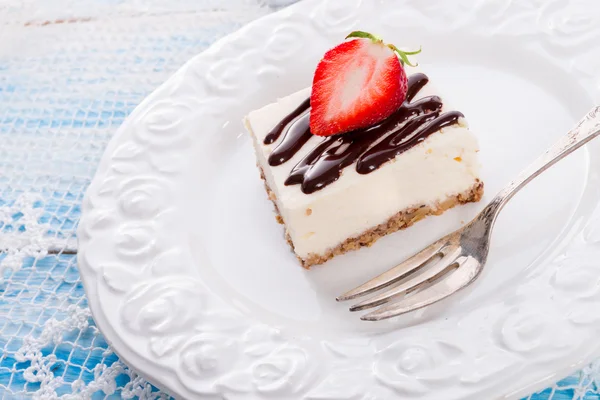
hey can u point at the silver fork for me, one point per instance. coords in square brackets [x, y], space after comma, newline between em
[456, 260]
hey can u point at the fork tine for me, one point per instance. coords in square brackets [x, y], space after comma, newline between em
[451, 254]
[466, 273]
[395, 274]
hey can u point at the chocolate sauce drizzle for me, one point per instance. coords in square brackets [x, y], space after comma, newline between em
[369, 147]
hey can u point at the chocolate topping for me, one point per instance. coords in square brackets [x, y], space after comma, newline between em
[297, 133]
[276, 132]
[369, 147]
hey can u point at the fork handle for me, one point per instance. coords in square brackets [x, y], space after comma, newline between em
[586, 130]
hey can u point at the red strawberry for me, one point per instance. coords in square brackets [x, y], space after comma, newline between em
[357, 84]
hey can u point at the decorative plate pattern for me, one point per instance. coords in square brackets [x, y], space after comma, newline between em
[144, 279]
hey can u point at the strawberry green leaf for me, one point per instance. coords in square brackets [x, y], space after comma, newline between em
[364, 35]
[403, 55]
[412, 53]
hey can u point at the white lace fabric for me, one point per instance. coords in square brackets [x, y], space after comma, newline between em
[70, 72]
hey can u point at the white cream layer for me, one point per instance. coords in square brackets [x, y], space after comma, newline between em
[427, 174]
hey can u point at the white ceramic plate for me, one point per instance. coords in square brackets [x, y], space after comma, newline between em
[191, 281]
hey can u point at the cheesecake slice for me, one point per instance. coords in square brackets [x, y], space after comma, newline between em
[339, 192]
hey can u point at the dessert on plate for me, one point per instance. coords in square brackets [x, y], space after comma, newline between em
[370, 149]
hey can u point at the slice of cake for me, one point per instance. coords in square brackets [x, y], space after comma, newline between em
[373, 149]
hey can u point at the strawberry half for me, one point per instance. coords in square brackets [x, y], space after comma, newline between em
[357, 84]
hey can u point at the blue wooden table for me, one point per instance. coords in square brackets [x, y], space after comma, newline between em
[70, 73]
